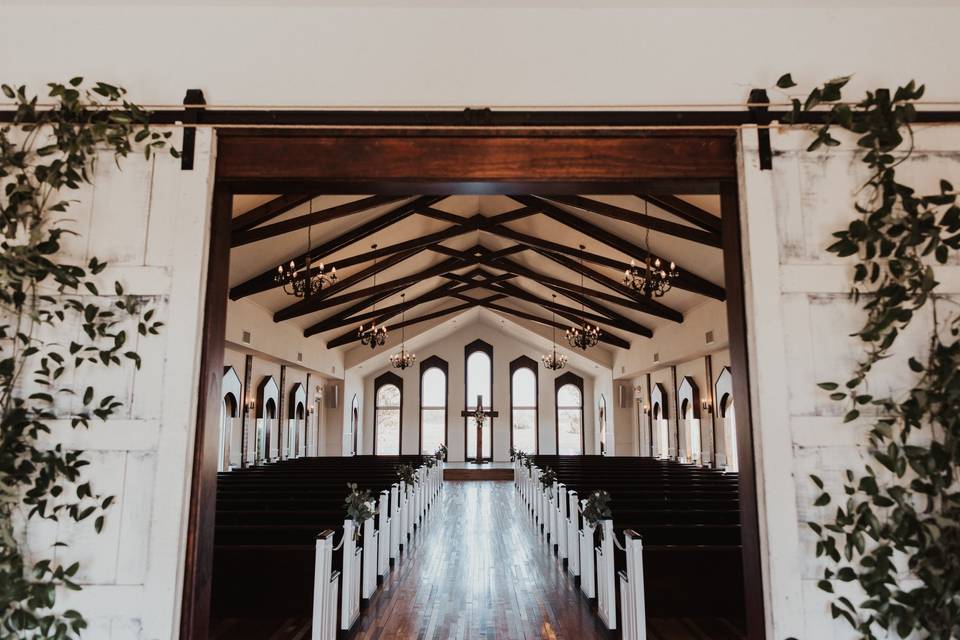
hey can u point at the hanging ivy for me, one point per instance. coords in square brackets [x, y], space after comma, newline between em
[45, 154]
[896, 530]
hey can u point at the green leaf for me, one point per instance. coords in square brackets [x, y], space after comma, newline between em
[786, 81]
[827, 386]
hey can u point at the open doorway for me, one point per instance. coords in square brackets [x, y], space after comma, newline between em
[558, 161]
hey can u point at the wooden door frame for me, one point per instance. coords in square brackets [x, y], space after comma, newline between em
[461, 160]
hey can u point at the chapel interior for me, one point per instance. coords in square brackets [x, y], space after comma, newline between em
[366, 337]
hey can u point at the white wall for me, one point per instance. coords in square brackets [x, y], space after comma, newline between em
[505, 349]
[363, 55]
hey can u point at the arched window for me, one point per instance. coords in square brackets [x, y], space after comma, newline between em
[523, 405]
[478, 356]
[688, 396]
[267, 401]
[433, 404]
[229, 410]
[602, 414]
[569, 399]
[728, 421]
[387, 412]
[659, 417]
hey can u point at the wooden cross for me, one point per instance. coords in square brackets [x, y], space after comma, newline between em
[473, 414]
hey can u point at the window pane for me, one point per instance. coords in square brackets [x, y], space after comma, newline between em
[388, 396]
[434, 386]
[478, 379]
[524, 424]
[569, 396]
[433, 430]
[569, 422]
[388, 431]
[524, 388]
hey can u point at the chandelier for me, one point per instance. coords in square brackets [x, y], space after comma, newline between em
[307, 281]
[584, 336]
[373, 336]
[654, 279]
[554, 360]
[404, 358]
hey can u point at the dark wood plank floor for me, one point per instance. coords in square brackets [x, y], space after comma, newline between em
[477, 571]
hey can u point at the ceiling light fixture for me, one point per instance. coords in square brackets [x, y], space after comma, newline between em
[584, 336]
[305, 282]
[403, 358]
[373, 336]
[554, 360]
[653, 279]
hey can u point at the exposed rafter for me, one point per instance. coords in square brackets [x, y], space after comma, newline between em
[684, 210]
[247, 236]
[687, 280]
[265, 280]
[351, 336]
[693, 234]
[270, 210]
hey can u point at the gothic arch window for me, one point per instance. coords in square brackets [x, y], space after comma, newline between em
[478, 381]
[387, 414]
[433, 404]
[569, 414]
[232, 391]
[296, 426]
[659, 416]
[524, 422]
[268, 399]
[728, 420]
[688, 397]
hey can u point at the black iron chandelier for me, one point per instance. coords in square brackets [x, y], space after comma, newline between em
[373, 336]
[653, 279]
[554, 360]
[584, 336]
[403, 359]
[308, 281]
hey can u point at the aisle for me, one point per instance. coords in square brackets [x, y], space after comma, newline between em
[476, 572]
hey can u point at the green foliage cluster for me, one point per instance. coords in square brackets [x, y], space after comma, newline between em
[407, 474]
[597, 507]
[360, 507]
[46, 153]
[441, 454]
[547, 477]
[903, 510]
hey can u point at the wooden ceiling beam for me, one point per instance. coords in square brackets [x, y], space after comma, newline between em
[684, 210]
[316, 302]
[687, 280]
[630, 299]
[352, 336]
[605, 337]
[265, 280]
[682, 231]
[270, 210]
[247, 236]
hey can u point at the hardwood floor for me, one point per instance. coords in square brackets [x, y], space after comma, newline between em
[476, 571]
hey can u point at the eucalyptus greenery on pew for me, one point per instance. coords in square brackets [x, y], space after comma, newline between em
[56, 329]
[896, 533]
[407, 474]
[597, 508]
[360, 507]
[430, 461]
[441, 454]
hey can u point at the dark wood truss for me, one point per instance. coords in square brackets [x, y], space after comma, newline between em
[478, 267]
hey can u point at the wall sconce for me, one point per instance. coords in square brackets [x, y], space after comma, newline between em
[251, 405]
[706, 406]
[311, 409]
[646, 409]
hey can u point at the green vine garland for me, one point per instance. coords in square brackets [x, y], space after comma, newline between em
[903, 512]
[44, 155]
